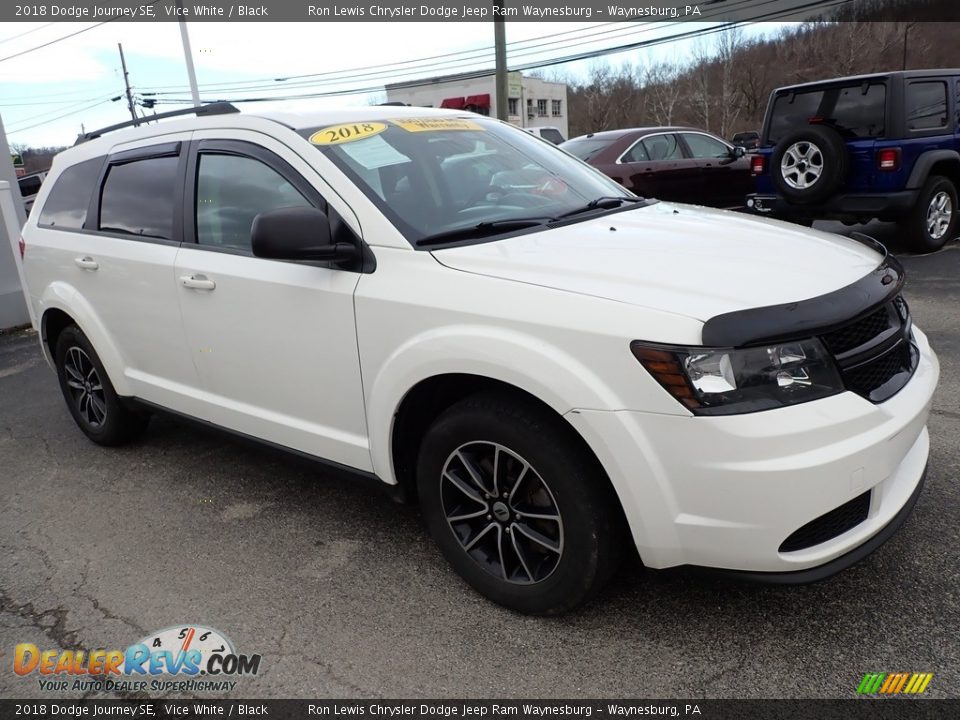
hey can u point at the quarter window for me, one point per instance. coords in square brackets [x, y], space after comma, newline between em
[138, 198]
[231, 191]
[636, 154]
[926, 105]
[66, 205]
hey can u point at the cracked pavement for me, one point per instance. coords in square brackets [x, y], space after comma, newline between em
[343, 594]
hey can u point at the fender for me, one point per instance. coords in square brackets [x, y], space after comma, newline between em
[561, 381]
[921, 168]
[62, 296]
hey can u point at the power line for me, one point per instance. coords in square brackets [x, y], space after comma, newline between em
[24, 34]
[61, 108]
[60, 117]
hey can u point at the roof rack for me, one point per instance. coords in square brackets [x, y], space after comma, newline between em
[217, 108]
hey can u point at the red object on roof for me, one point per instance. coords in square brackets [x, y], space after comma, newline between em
[455, 103]
[478, 100]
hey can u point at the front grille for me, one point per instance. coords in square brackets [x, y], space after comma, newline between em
[856, 334]
[828, 526]
[875, 353]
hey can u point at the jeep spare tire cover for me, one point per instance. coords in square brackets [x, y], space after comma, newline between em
[809, 164]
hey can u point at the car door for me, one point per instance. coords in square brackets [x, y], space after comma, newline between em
[724, 181]
[654, 166]
[122, 263]
[274, 342]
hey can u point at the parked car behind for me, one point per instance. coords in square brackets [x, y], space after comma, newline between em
[552, 134]
[29, 187]
[669, 163]
[882, 146]
[748, 140]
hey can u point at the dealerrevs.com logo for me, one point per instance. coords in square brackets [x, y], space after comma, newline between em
[185, 658]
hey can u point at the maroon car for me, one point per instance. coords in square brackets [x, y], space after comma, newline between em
[669, 163]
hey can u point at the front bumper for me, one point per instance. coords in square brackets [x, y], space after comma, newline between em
[842, 207]
[725, 492]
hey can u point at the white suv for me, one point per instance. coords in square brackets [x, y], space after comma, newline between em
[440, 302]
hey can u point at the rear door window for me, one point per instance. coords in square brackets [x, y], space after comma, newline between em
[662, 147]
[926, 105]
[138, 198]
[856, 111]
[66, 205]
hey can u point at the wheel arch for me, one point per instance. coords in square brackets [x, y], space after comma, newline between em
[430, 397]
[935, 162]
[62, 306]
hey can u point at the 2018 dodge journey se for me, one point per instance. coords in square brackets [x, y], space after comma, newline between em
[555, 368]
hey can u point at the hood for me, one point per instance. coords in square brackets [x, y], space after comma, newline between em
[681, 259]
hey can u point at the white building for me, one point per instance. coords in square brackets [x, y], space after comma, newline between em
[532, 102]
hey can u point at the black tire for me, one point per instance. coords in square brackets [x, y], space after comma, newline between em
[920, 234]
[563, 480]
[89, 394]
[815, 167]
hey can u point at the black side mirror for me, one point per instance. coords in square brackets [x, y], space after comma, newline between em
[298, 233]
[738, 151]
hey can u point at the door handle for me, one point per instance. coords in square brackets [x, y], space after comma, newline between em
[86, 262]
[197, 282]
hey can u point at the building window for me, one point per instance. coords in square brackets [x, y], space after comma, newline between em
[555, 108]
[529, 107]
[512, 107]
[542, 108]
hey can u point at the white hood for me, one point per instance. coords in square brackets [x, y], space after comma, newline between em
[682, 259]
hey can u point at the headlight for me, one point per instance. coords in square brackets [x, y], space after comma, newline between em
[713, 381]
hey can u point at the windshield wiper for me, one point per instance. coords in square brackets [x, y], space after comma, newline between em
[483, 229]
[604, 202]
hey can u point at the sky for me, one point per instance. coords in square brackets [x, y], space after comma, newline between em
[48, 94]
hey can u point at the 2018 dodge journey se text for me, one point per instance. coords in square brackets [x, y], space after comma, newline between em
[555, 368]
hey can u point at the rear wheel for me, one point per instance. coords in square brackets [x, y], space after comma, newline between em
[933, 220]
[519, 510]
[90, 396]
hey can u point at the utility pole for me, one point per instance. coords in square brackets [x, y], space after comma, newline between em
[500, 45]
[126, 81]
[188, 56]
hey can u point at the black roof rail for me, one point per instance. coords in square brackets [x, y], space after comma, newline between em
[217, 108]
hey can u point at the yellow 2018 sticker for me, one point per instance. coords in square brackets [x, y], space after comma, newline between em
[434, 124]
[348, 132]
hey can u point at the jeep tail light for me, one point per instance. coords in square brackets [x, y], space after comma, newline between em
[757, 164]
[23, 248]
[888, 159]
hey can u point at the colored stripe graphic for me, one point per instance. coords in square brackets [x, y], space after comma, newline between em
[894, 683]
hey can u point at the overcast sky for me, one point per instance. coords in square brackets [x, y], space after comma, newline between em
[77, 77]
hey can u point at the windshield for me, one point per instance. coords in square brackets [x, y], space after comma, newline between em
[433, 176]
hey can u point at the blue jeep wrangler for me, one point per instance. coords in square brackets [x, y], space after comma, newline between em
[881, 146]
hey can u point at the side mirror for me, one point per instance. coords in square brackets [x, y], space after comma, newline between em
[298, 233]
[738, 152]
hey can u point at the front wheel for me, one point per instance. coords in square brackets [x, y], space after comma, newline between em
[518, 508]
[933, 220]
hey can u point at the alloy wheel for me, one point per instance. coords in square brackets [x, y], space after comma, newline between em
[85, 386]
[802, 165]
[502, 512]
[939, 215]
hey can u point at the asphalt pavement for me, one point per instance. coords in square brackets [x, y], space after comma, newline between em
[343, 594]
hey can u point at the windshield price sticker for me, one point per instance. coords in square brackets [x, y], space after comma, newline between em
[434, 124]
[348, 132]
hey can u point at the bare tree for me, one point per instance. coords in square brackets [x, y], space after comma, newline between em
[662, 91]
